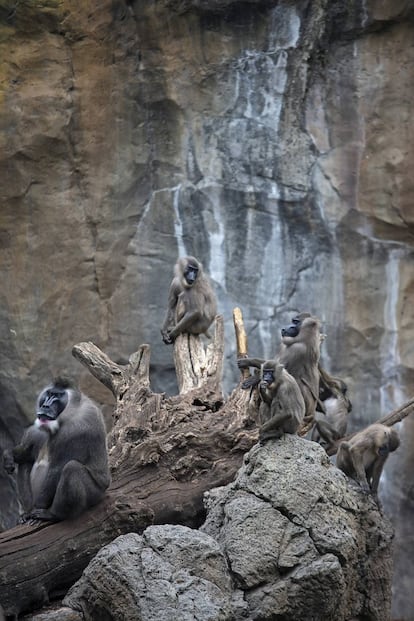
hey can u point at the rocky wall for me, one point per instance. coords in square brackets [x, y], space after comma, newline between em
[273, 140]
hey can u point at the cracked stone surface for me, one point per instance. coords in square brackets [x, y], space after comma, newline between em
[301, 540]
[290, 539]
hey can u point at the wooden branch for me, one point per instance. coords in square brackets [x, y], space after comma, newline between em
[398, 414]
[197, 366]
[115, 377]
[241, 338]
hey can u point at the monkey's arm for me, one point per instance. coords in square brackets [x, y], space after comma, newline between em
[169, 316]
[245, 363]
[376, 472]
[357, 459]
[265, 394]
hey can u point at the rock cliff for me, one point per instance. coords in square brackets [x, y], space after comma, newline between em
[271, 139]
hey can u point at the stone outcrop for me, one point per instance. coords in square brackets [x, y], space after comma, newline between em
[273, 140]
[290, 539]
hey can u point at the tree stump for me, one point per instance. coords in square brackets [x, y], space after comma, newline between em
[164, 453]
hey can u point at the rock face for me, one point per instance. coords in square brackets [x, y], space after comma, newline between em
[273, 140]
[171, 572]
[290, 539]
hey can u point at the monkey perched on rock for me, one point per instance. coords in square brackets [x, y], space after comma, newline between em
[70, 472]
[331, 423]
[282, 407]
[300, 355]
[192, 304]
[363, 457]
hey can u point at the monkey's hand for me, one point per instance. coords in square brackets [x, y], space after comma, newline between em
[166, 337]
[250, 382]
[242, 363]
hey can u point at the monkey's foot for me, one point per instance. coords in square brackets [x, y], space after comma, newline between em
[167, 339]
[42, 515]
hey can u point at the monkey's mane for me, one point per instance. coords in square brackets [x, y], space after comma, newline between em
[63, 382]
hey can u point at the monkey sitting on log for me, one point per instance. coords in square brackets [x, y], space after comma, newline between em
[363, 456]
[71, 471]
[192, 304]
[332, 410]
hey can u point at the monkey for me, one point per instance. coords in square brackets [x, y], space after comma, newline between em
[24, 455]
[333, 404]
[192, 304]
[332, 410]
[282, 407]
[363, 456]
[299, 354]
[71, 471]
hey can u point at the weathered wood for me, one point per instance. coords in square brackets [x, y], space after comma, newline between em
[164, 454]
[115, 377]
[41, 562]
[197, 365]
[241, 338]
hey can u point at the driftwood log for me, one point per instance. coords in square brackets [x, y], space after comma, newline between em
[165, 452]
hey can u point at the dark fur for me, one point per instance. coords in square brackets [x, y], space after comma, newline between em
[282, 407]
[191, 307]
[71, 471]
[300, 356]
[25, 455]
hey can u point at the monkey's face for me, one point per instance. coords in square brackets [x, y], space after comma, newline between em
[268, 377]
[190, 274]
[292, 330]
[50, 404]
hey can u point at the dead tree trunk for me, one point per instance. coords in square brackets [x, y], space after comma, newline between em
[164, 454]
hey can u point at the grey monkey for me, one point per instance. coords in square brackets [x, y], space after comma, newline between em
[71, 471]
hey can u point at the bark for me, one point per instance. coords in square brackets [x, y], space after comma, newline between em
[164, 454]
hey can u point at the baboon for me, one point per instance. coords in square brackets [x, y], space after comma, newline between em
[71, 472]
[363, 456]
[282, 407]
[332, 410]
[300, 356]
[192, 303]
